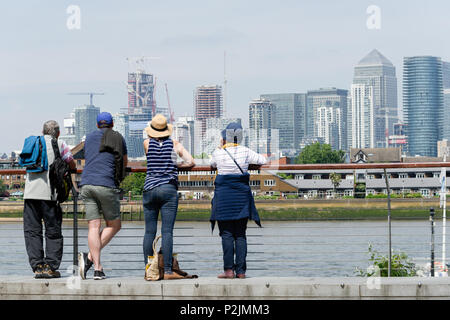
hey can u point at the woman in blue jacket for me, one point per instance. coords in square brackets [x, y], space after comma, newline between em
[233, 204]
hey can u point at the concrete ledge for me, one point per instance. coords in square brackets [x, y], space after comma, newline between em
[269, 288]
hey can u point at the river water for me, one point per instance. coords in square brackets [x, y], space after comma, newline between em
[294, 248]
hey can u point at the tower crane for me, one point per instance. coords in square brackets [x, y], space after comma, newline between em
[171, 114]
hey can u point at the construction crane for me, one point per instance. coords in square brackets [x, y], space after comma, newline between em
[171, 115]
[90, 94]
[140, 61]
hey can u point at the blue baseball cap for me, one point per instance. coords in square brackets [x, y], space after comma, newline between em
[104, 118]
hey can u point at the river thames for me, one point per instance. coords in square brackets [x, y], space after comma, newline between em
[281, 249]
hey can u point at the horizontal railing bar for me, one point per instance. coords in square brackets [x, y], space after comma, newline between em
[332, 166]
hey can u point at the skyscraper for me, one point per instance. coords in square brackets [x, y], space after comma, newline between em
[262, 136]
[208, 104]
[362, 116]
[85, 121]
[69, 131]
[446, 84]
[423, 103]
[328, 108]
[377, 71]
[290, 119]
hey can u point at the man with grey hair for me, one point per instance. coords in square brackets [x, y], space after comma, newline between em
[40, 204]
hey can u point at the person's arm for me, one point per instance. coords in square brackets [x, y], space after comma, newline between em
[213, 161]
[188, 160]
[256, 158]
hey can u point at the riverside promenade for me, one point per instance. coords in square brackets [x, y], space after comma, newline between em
[208, 288]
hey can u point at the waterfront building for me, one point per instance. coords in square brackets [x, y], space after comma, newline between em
[423, 104]
[376, 71]
[85, 121]
[290, 120]
[329, 116]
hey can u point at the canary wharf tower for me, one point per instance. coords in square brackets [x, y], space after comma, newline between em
[376, 71]
[423, 103]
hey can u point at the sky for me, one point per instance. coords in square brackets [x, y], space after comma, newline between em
[271, 47]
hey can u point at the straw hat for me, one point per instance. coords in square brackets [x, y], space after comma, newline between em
[158, 127]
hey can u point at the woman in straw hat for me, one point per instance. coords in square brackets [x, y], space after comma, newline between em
[160, 188]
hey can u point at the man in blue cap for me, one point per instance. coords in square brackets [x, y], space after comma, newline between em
[105, 153]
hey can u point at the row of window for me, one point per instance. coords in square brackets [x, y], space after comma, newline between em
[253, 183]
[419, 175]
[18, 177]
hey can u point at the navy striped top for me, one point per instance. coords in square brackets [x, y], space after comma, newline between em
[161, 164]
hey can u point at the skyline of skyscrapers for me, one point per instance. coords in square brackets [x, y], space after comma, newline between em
[362, 117]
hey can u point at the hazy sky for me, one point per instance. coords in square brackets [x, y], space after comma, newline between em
[272, 47]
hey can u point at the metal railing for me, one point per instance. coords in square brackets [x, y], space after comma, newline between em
[308, 248]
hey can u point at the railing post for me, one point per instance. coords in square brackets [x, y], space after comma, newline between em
[75, 229]
[389, 222]
[432, 240]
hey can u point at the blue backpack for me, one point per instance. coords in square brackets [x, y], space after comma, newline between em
[34, 154]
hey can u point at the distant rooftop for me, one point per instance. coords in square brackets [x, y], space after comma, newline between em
[374, 58]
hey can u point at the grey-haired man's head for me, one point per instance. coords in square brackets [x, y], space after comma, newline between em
[51, 128]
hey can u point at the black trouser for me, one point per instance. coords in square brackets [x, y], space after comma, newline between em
[34, 212]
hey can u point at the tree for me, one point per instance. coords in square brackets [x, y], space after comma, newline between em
[335, 180]
[134, 182]
[320, 153]
[203, 155]
[2, 186]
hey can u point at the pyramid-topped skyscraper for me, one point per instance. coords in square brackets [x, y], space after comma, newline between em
[376, 74]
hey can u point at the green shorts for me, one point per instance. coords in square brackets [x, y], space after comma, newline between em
[101, 200]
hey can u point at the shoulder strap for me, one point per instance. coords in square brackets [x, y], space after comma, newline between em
[233, 160]
[56, 148]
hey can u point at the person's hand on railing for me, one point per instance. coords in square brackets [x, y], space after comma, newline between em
[185, 165]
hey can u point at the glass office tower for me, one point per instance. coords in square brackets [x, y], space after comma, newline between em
[377, 71]
[290, 120]
[423, 103]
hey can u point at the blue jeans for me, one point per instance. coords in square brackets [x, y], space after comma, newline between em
[163, 198]
[234, 242]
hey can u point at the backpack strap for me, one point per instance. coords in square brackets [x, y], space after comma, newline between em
[56, 148]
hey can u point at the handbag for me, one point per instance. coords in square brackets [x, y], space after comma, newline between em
[154, 269]
[175, 267]
[151, 268]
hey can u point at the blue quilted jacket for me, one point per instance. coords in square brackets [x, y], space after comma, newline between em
[233, 199]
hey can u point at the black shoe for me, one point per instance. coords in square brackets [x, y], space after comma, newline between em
[84, 264]
[38, 271]
[49, 273]
[99, 275]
